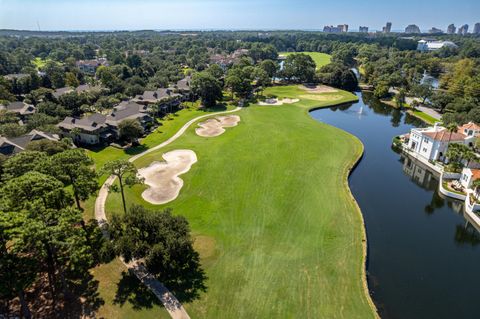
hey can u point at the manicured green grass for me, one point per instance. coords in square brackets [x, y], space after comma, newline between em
[423, 116]
[320, 59]
[280, 235]
[169, 126]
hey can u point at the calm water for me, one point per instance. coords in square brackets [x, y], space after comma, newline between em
[423, 257]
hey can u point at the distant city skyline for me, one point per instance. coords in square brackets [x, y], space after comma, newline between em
[48, 15]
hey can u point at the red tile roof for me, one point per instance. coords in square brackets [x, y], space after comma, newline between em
[475, 174]
[445, 136]
[469, 126]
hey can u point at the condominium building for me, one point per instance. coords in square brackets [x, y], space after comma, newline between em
[412, 28]
[451, 29]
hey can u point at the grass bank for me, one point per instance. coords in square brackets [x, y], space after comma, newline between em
[278, 231]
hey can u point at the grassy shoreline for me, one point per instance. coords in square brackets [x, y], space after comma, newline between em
[194, 197]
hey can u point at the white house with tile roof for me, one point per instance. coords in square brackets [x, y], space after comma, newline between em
[431, 143]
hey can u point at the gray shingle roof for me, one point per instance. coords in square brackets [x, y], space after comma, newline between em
[156, 96]
[126, 110]
[89, 123]
[13, 145]
[19, 107]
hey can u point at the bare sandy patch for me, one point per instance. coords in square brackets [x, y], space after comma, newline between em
[205, 246]
[215, 126]
[278, 102]
[318, 89]
[319, 97]
[163, 177]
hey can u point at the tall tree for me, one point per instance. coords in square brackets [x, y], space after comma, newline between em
[73, 167]
[126, 173]
[130, 130]
[164, 242]
[207, 88]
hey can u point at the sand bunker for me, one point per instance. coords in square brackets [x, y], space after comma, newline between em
[278, 102]
[162, 177]
[215, 126]
[318, 89]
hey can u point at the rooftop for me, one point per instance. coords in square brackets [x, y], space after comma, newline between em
[21, 108]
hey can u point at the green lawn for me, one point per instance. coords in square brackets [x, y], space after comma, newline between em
[320, 59]
[169, 126]
[278, 231]
[423, 116]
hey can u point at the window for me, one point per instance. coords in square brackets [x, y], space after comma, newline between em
[425, 140]
[424, 149]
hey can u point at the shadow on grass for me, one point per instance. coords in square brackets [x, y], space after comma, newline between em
[134, 150]
[186, 285]
[130, 289]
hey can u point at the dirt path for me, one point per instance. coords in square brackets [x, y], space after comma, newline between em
[173, 306]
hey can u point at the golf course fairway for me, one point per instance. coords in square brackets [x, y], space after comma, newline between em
[278, 231]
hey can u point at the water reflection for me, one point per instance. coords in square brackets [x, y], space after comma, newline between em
[422, 251]
[467, 235]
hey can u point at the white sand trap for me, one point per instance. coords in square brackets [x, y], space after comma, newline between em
[162, 177]
[318, 89]
[215, 126]
[278, 102]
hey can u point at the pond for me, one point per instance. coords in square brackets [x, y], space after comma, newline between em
[423, 257]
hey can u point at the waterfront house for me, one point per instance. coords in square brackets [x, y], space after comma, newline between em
[13, 145]
[469, 129]
[469, 175]
[431, 143]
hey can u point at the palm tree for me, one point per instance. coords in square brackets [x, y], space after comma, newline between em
[469, 156]
[452, 127]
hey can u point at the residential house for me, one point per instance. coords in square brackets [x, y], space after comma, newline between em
[226, 60]
[469, 129]
[98, 128]
[166, 99]
[431, 143]
[22, 109]
[469, 175]
[79, 89]
[183, 87]
[61, 91]
[90, 66]
[128, 110]
[13, 145]
[89, 130]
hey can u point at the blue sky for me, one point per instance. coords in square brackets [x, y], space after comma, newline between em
[232, 14]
